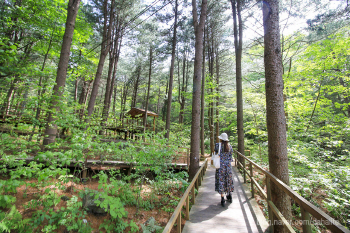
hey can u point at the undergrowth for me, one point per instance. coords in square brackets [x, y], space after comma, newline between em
[51, 175]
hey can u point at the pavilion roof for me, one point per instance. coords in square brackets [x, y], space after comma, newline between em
[138, 112]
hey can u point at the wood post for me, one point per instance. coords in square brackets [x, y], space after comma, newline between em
[188, 157]
[179, 223]
[188, 207]
[244, 173]
[306, 220]
[236, 157]
[85, 169]
[193, 195]
[154, 124]
[251, 178]
[271, 216]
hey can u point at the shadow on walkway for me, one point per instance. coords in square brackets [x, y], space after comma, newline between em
[207, 215]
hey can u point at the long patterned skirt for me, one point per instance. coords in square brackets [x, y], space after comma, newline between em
[223, 178]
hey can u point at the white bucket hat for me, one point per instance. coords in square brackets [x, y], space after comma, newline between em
[223, 137]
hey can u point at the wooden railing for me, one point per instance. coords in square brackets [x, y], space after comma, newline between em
[176, 217]
[306, 207]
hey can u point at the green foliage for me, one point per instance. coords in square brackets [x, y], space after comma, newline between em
[13, 221]
[151, 227]
[73, 217]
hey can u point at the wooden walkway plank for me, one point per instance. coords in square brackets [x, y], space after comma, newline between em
[242, 215]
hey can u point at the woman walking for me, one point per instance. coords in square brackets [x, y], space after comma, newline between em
[223, 175]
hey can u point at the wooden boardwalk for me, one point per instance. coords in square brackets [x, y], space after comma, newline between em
[242, 215]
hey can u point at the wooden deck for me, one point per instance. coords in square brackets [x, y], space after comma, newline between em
[242, 215]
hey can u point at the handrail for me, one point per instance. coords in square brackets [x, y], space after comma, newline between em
[305, 206]
[186, 199]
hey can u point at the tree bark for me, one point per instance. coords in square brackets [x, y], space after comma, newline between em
[123, 99]
[114, 58]
[148, 88]
[51, 128]
[170, 93]
[217, 130]
[9, 97]
[202, 97]
[275, 118]
[157, 110]
[238, 32]
[211, 101]
[112, 68]
[136, 86]
[114, 99]
[83, 96]
[182, 91]
[105, 45]
[165, 102]
[184, 87]
[196, 95]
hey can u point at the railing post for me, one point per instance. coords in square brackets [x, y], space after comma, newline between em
[179, 223]
[193, 195]
[236, 157]
[196, 183]
[306, 220]
[244, 173]
[188, 207]
[188, 158]
[271, 217]
[251, 178]
[199, 179]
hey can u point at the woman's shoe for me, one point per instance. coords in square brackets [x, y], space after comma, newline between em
[223, 201]
[229, 197]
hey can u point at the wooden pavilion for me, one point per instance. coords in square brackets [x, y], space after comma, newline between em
[134, 122]
[138, 114]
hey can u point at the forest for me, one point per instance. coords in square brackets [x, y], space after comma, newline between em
[153, 83]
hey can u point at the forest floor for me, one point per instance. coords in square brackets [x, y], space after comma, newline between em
[39, 193]
[139, 215]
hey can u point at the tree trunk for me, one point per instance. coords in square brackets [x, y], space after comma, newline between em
[136, 86]
[217, 130]
[114, 73]
[202, 98]
[106, 41]
[148, 88]
[123, 100]
[238, 50]
[275, 118]
[165, 102]
[157, 111]
[51, 128]
[114, 99]
[114, 58]
[182, 90]
[211, 101]
[83, 96]
[110, 83]
[168, 112]
[197, 79]
[9, 97]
